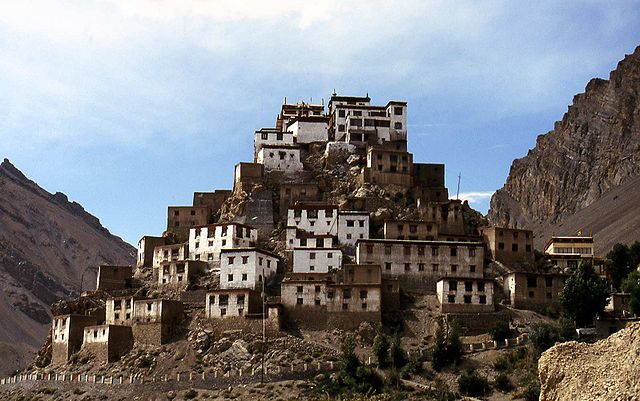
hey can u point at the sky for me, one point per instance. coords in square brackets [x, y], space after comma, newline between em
[129, 106]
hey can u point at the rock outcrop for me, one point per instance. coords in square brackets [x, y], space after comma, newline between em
[606, 370]
[594, 149]
[49, 249]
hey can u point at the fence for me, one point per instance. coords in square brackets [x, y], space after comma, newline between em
[487, 345]
[291, 371]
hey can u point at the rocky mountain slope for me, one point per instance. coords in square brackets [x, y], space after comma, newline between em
[49, 249]
[606, 370]
[591, 153]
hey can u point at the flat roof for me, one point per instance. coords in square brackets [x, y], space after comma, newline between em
[463, 278]
[249, 249]
[423, 242]
[363, 212]
[231, 223]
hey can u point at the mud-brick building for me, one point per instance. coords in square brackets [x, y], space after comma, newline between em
[247, 175]
[180, 219]
[428, 182]
[247, 268]
[464, 295]
[108, 343]
[212, 200]
[535, 291]
[155, 321]
[270, 137]
[388, 167]
[114, 277]
[206, 242]
[170, 253]
[67, 336]
[420, 264]
[146, 246]
[411, 230]
[292, 192]
[309, 129]
[509, 246]
[179, 273]
[343, 299]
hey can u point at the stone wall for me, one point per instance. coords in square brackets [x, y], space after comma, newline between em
[472, 324]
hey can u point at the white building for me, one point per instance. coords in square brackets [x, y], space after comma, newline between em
[272, 137]
[316, 260]
[280, 158]
[465, 295]
[180, 272]
[355, 120]
[206, 242]
[352, 226]
[302, 239]
[314, 218]
[170, 253]
[309, 129]
[246, 268]
[234, 302]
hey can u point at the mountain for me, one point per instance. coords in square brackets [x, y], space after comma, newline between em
[584, 174]
[48, 246]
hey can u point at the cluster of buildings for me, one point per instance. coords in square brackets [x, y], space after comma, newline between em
[336, 267]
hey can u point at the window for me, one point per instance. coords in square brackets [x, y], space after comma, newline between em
[282, 155]
[454, 251]
[532, 282]
[231, 258]
[501, 246]
[149, 306]
[363, 294]
[467, 299]
[349, 236]
[341, 113]
[420, 251]
[223, 311]
[397, 125]
[407, 267]
[176, 213]
[454, 268]
[387, 249]
[264, 136]
[346, 293]
[244, 276]
[345, 306]
[364, 306]
[303, 242]
[328, 213]
[548, 281]
[482, 299]
[299, 301]
[453, 285]
[434, 267]
[330, 294]
[116, 316]
[193, 212]
[407, 250]
[451, 299]
[312, 214]
[387, 266]
[198, 257]
[528, 248]
[468, 286]
[224, 242]
[397, 111]
[472, 268]
[361, 223]
[421, 267]
[279, 136]
[209, 256]
[350, 223]
[434, 251]
[472, 252]
[341, 127]
[312, 255]
[514, 247]
[230, 277]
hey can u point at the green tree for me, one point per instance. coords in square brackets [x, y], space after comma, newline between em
[381, 347]
[454, 345]
[584, 295]
[448, 346]
[397, 354]
[620, 265]
[632, 285]
[349, 361]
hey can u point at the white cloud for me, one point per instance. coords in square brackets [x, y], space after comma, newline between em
[476, 197]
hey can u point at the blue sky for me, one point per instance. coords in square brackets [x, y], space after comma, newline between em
[128, 106]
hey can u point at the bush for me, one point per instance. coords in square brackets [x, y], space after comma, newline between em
[447, 349]
[397, 354]
[503, 383]
[381, 347]
[501, 331]
[532, 392]
[543, 336]
[349, 361]
[473, 385]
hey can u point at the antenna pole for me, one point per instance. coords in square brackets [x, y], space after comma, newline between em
[458, 192]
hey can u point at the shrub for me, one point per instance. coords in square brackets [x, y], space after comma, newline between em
[447, 349]
[503, 383]
[543, 336]
[473, 385]
[501, 331]
[397, 354]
